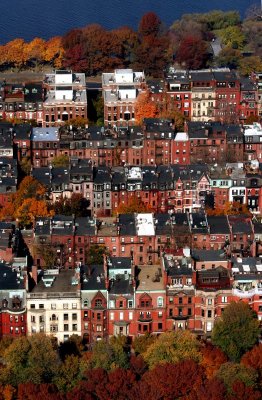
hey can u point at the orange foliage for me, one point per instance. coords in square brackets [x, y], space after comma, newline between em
[253, 358]
[15, 52]
[27, 203]
[36, 49]
[231, 208]
[54, 51]
[134, 205]
[212, 359]
[144, 108]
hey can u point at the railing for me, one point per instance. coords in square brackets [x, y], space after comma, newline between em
[53, 295]
[247, 293]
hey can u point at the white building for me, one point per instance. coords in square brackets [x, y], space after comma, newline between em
[54, 306]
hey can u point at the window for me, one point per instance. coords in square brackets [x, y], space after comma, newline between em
[160, 326]
[160, 302]
[65, 306]
[130, 303]
[66, 327]
[121, 315]
[209, 302]
[33, 318]
[65, 317]
[112, 316]
[209, 313]
[85, 303]
[99, 328]
[74, 317]
[98, 303]
[74, 306]
[224, 299]
[41, 306]
[130, 315]
[53, 306]
[32, 305]
[74, 327]
[180, 300]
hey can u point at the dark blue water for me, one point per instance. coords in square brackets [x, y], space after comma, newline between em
[46, 18]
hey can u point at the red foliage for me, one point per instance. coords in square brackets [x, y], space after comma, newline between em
[137, 365]
[30, 391]
[192, 53]
[149, 25]
[242, 392]
[253, 358]
[212, 359]
[169, 381]
[212, 389]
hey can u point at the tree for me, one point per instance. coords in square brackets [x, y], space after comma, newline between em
[236, 331]
[110, 355]
[144, 108]
[54, 52]
[25, 165]
[75, 205]
[170, 381]
[30, 359]
[141, 343]
[242, 392]
[35, 51]
[230, 208]
[134, 205]
[150, 24]
[30, 209]
[60, 161]
[233, 37]
[192, 53]
[172, 347]
[228, 57]
[95, 254]
[212, 359]
[253, 358]
[230, 372]
[247, 65]
[43, 391]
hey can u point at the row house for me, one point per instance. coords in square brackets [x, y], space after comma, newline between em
[8, 179]
[253, 142]
[54, 305]
[65, 98]
[13, 302]
[248, 100]
[68, 237]
[178, 95]
[247, 286]
[21, 102]
[120, 93]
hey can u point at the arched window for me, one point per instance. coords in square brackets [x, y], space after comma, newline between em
[53, 317]
[98, 303]
[86, 302]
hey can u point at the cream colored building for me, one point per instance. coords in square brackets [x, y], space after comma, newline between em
[54, 306]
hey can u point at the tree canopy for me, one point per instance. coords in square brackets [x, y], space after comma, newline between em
[236, 331]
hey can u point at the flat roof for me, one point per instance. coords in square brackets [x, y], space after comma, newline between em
[150, 277]
[145, 224]
[45, 134]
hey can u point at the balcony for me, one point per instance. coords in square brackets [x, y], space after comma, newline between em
[245, 293]
[145, 317]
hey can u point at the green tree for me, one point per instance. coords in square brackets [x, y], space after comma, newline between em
[95, 254]
[25, 165]
[230, 372]
[70, 373]
[31, 359]
[141, 343]
[236, 331]
[172, 347]
[110, 355]
[60, 161]
[233, 37]
[247, 65]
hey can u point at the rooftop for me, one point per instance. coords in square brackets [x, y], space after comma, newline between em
[150, 278]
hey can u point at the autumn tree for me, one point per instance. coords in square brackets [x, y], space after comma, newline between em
[239, 391]
[30, 359]
[54, 52]
[253, 358]
[141, 343]
[172, 347]
[75, 205]
[134, 205]
[192, 53]
[212, 359]
[144, 108]
[236, 331]
[231, 372]
[35, 51]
